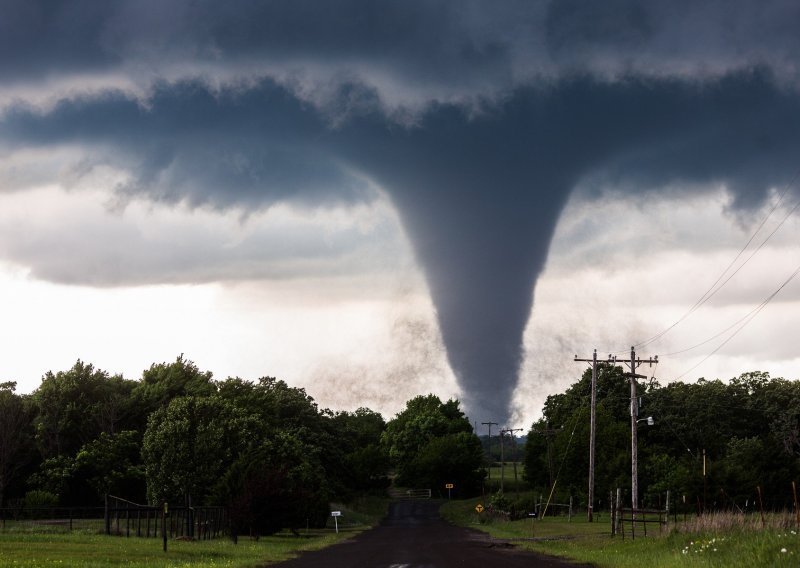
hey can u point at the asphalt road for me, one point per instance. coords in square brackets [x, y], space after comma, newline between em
[414, 536]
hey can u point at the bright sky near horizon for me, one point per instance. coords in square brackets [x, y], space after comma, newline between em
[454, 200]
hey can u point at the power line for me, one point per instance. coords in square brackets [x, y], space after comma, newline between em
[754, 313]
[717, 286]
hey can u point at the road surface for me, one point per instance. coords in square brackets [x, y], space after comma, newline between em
[414, 536]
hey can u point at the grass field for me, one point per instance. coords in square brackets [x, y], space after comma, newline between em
[92, 550]
[87, 549]
[718, 543]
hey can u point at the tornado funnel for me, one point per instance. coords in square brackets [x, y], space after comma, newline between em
[479, 198]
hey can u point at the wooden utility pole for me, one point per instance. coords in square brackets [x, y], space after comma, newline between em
[592, 434]
[490, 424]
[633, 363]
[502, 462]
[514, 454]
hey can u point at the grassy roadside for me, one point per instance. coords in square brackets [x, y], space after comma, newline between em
[91, 550]
[684, 546]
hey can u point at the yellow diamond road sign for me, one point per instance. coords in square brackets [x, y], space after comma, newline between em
[479, 508]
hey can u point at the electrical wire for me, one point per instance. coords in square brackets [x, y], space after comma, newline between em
[719, 283]
[564, 458]
[747, 320]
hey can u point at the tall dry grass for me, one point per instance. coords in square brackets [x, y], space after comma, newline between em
[724, 521]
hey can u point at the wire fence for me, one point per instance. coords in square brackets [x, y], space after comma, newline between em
[52, 519]
[122, 517]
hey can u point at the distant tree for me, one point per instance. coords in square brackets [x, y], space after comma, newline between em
[56, 477]
[163, 382]
[452, 458]
[537, 458]
[278, 407]
[557, 449]
[189, 444]
[72, 407]
[111, 464]
[747, 427]
[278, 484]
[425, 419]
[16, 437]
[358, 435]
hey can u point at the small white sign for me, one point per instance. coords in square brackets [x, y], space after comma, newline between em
[336, 513]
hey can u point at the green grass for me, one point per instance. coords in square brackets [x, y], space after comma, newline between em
[93, 550]
[88, 549]
[508, 472]
[492, 482]
[718, 543]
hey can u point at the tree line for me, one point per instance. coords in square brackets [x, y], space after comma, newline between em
[270, 454]
[713, 442]
[262, 448]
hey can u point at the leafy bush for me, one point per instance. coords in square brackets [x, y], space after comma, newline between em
[38, 499]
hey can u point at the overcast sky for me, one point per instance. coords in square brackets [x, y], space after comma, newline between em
[374, 200]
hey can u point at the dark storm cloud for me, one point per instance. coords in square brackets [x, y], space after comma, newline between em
[230, 147]
[511, 106]
[427, 40]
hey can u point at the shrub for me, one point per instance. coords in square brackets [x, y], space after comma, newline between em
[38, 499]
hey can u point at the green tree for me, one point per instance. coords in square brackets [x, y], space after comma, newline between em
[452, 458]
[278, 484]
[56, 476]
[424, 419]
[72, 407]
[111, 464]
[278, 407]
[163, 382]
[365, 460]
[16, 437]
[557, 449]
[190, 443]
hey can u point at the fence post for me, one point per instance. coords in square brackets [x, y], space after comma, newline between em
[761, 506]
[107, 517]
[164, 513]
[666, 511]
[796, 508]
[612, 513]
[569, 515]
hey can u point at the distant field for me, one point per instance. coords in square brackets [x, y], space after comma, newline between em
[718, 544]
[508, 474]
[492, 482]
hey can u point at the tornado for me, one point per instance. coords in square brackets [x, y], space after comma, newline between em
[479, 198]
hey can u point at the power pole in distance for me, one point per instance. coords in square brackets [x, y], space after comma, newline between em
[490, 424]
[514, 455]
[502, 462]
